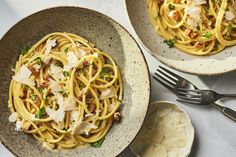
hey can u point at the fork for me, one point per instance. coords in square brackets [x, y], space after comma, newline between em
[201, 97]
[173, 82]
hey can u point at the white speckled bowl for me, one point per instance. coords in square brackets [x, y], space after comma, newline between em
[220, 63]
[138, 145]
[108, 36]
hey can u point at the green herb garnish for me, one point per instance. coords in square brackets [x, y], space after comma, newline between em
[38, 60]
[98, 144]
[65, 73]
[207, 34]
[33, 97]
[170, 42]
[41, 113]
[59, 64]
[25, 50]
[105, 72]
[66, 49]
[229, 29]
[171, 7]
[40, 89]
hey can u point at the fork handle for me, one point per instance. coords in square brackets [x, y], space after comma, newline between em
[226, 111]
[221, 96]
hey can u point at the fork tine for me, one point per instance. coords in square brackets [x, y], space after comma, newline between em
[164, 84]
[170, 72]
[190, 98]
[190, 102]
[193, 95]
[165, 79]
[189, 90]
[168, 76]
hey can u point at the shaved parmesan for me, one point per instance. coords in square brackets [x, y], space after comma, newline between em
[69, 103]
[199, 2]
[229, 15]
[49, 45]
[36, 67]
[74, 116]
[72, 61]
[82, 53]
[23, 76]
[54, 86]
[46, 59]
[194, 12]
[107, 93]
[13, 117]
[18, 125]
[192, 22]
[57, 116]
[83, 127]
[95, 55]
[56, 71]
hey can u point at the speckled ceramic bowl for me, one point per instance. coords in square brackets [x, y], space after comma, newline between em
[220, 63]
[108, 36]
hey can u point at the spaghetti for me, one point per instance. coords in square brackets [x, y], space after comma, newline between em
[65, 92]
[198, 27]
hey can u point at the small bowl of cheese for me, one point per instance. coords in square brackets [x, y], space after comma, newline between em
[166, 132]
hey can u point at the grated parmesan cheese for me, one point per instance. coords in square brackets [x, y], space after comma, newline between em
[36, 67]
[107, 93]
[229, 15]
[72, 61]
[82, 53]
[74, 116]
[54, 86]
[193, 12]
[56, 71]
[58, 115]
[18, 125]
[13, 117]
[199, 2]
[83, 127]
[49, 45]
[23, 76]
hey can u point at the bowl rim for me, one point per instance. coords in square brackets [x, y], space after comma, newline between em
[108, 17]
[168, 64]
[181, 109]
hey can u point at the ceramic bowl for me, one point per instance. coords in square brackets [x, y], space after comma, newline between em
[170, 140]
[220, 63]
[108, 36]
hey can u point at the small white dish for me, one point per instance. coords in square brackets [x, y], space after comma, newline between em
[166, 132]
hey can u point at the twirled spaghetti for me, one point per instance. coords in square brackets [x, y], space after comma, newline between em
[65, 92]
[198, 27]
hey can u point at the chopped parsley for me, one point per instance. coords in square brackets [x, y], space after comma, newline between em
[105, 72]
[66, 49]
[98, 144]
[171, 7]
[207, 34]
[65, 73]
[33, 97]
[25, 50]
[170, 42]
[40, 89]
[38, 60]
[229, 29]
[40, 113]
[59, 64]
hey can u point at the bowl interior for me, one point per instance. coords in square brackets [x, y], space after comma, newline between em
[108, 36]
[222, 62]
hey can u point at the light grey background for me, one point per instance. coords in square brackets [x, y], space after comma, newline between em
[215, 134]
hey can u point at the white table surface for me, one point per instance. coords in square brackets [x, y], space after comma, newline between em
[215, 134]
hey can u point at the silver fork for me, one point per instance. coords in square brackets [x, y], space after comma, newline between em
[173, 82]
[201, 97]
